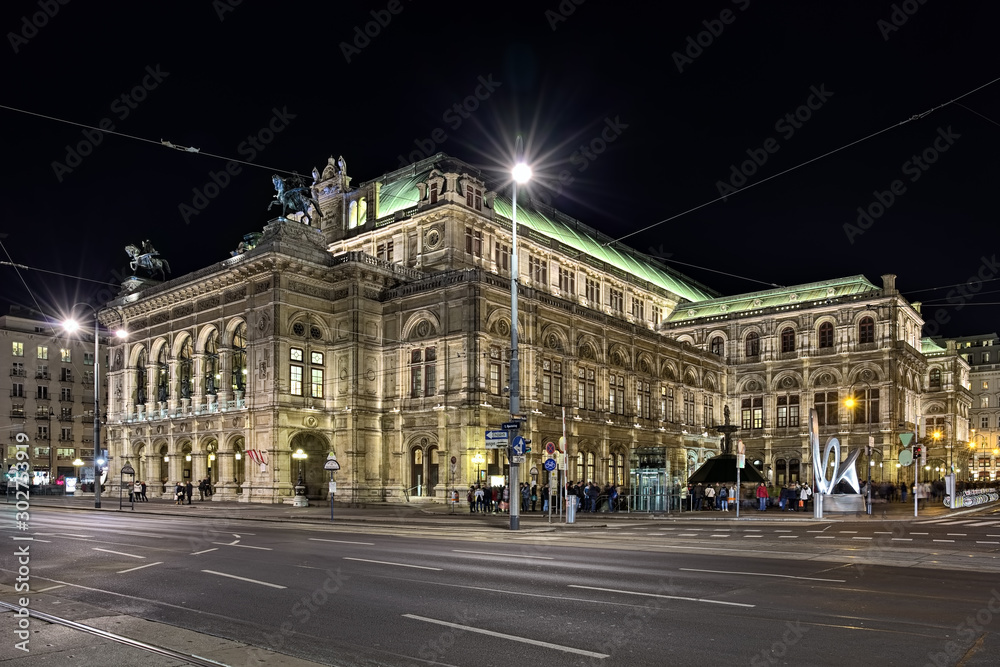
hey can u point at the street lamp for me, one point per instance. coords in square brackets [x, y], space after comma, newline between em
[521, 173]
[71, 325]
[973, 445]
[300, 456]
[478, 459]
[850, 403]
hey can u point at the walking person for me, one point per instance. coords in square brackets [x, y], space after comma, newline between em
[142, 486]
[189, 491]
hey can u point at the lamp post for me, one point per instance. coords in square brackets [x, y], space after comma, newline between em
[71, 325]
[478, 460]
[521, 174]
[850, 403]
[973, 445]
[77, 463]
[300, 456]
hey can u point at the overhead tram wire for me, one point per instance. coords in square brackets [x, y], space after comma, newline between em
[809, 161]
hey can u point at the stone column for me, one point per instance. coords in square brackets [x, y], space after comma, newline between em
[198, 380]
[199, 467]
[176, 466]
[225, 489]
[225, 384]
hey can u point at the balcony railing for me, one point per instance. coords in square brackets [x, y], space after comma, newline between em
[42, 376]
[17, 372]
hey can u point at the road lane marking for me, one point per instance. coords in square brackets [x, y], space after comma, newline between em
[658, 595]
[826, 537]
[523, 640]
[918, 533]
[788, 537]
[198, 553]
[982, 523]
[385, 562]
[133, 569]
[816, 531]
[883, 532]
[245, 546]
[319, 539]
[782, 530]
[720, 535]
[958, 523]
[753, 530]
[753, 536]
[43, 590]
[252, 581]
[957, 534]
[686, 535]
[760, 574]
[862, 538]
[902, 539]
[944, 540]
[491, 553]
[120, 553]
[986, 542]
[853, 532]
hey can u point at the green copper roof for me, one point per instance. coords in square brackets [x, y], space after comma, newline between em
[399, 192]
[930, 346]
[774, 298]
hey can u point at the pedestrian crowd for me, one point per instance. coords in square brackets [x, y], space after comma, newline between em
[590, 497]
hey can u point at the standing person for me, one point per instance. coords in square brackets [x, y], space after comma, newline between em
[179, 494]
[710, 496]
[723, 498]
[137, 491]
[189, 491]
[613, 498]
[471, 498]
[201, 489]
[142, 486]
[546, 491]
[699, 493]
[480, 503]
[804, 492]
[534, 496]
[525, 496]
[761, 497]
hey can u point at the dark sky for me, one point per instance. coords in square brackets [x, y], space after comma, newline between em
[632, 114]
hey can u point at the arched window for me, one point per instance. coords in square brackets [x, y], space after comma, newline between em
[162, 375]
[590, 467]
[211, 365]
[140, 379]
[866, 330]
[753, 344]
[239, 345]
[185, 368]
[826, 334]
[717, 345]
[935, 378]
[788, 339]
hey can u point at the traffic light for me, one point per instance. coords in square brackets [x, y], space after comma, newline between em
[526, 446]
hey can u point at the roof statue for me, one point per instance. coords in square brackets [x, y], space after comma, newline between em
[315, 175]
[330, 170]
[296, 198]
[145, 257]
[342, 164]
[248, 243]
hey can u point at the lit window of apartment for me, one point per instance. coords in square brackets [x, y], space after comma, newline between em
[18, 349]
[43, 352]
[66, 355]
[316, 374]
[752, 412]
[986, 384]
[984, 401]
[788, 411]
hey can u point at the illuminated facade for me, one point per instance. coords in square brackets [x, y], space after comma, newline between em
[381, 333]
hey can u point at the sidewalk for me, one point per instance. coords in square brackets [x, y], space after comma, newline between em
[432, 513]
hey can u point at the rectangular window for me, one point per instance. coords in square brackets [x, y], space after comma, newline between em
[788, 411]
[43, 352]
[567, 280]
[667, 404]
[708, 411]
[317, 382]
[17, 390]
[656, 313]
[984, 421]
[984, 401]
[586, 389]
[65, 394]
[502, 256]
[65, 453]
[474, 242]
[986, 384]
[384, 251]
[66, 434]
[593, 290]
[296, 354]
[42, 372]
[296, 380]
[474, 197]
[688, 407]
[43, 432]
[616, 300]
[66, 355]
[752, 412]
[638, 309]
[42, 452]
[423, 372]
[430, 371]
[18, 350]
[65, 375]
[642, 399]
[496, 371]
[538, 270]
[434, 193]
[826, 403]
[551, 382]
[88, 378]
[88, 358]
[42, 392]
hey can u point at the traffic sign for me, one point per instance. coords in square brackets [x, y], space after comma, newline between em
[496, 439]
[550, 464]
[519, 444]
[331, 463]
[511, 426]
[550, 448]
[517, 459]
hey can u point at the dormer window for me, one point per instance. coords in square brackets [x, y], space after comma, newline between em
[474, 197]
[434, 193]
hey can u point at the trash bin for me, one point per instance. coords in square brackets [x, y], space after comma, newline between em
[570, 509]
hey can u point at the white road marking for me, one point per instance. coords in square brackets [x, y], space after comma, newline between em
[902, 539]
[42, 590]
[524, 640]
[826, 537]
[252, 581]
[815, 531]
[745, 536]
[760, 574]
[782, 530]
[918, 533]
[197, 553]
[491, 553]
[120, 553]
[788, 537]
[958, 523]
[719, 535]
[140, 567]
[944, 540]
[862, 538]
[849, 531]
[883, 532]
[318, 539]
[986, 542]
[957, 534]
[753, 530]
[385, 562]
[245, 546]
[658, 595]
[686, 535]
[982, 523]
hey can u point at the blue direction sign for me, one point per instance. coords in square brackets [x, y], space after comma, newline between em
[550, 464]
[496, 439]
[519, 445]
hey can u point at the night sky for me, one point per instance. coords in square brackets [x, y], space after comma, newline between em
[632, 114]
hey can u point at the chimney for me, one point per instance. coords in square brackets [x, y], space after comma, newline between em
[889, 283]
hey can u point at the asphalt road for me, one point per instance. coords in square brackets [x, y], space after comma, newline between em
[809, 593]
